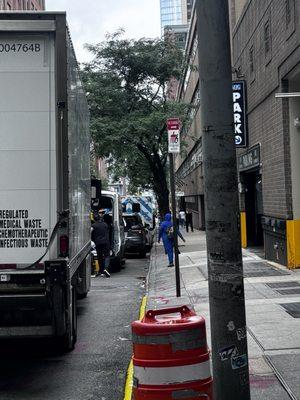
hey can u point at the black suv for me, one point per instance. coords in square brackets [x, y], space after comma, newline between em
[136, 235]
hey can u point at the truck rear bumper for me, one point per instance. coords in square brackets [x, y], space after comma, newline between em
[23, 302]
[25, 331]
[25, 316]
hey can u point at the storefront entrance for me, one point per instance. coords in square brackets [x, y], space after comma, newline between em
[253, 208]
[251, 195]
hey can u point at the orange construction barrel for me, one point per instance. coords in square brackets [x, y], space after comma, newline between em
[170, 356]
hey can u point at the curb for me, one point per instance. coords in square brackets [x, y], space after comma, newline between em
[129, 378]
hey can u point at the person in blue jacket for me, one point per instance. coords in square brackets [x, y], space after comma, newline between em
[165, 233]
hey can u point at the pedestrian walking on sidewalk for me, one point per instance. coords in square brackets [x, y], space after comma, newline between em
[189, 220]
[167, 235]
[181, 218]
[100, 236]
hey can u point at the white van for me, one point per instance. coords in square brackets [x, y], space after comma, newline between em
[111, 203]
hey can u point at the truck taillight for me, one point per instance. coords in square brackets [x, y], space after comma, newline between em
[8, 266]
[64, 246]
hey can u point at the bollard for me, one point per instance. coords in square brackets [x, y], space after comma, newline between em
[171, 359]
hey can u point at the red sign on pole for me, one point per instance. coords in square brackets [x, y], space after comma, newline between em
[173, 124]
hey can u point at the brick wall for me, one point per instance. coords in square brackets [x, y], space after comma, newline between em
[22, 5]
[268, 118]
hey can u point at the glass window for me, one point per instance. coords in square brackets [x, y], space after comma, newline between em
[288, 11]
[171, 12]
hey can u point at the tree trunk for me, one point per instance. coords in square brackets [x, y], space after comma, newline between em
[162, 193]
[160, 183]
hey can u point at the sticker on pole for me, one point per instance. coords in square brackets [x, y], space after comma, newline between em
[239, 362]
[173, 125]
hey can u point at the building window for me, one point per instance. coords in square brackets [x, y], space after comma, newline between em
[267, 37]
[194, 48]
[187, 78]
[288, 12]
[290, 17]
[251, 60]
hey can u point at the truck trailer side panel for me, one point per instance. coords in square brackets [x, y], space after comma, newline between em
[28, 189]
[79, 158]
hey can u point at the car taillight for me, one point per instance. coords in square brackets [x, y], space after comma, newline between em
[64, 246]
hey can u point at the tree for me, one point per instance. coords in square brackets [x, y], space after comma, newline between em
[127, 83]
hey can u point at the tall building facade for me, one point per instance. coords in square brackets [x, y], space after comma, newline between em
[236, 8]
[189, 173]
[266, 43]
[266, 57]
[10, 5]
[175, 12]
[175, 19]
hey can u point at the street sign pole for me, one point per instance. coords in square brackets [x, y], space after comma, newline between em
[174, 147]
[175, 228]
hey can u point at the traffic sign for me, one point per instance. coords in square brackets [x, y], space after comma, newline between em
[173, 125]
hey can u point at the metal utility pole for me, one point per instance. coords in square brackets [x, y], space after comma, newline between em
[225, 268]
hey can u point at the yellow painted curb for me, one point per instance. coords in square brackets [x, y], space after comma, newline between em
[129, 379]
[129, 382]
[143, 308]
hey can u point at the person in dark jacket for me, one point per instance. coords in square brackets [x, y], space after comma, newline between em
[165, 233]
[100, 236]
[189, 220]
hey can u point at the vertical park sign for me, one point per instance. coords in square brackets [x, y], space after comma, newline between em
[239, 113]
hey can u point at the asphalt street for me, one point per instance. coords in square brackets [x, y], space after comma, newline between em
[96, 369]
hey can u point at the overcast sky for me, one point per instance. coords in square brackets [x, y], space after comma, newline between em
[90, 20]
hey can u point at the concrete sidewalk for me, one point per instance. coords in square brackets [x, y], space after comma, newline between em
[272, 304]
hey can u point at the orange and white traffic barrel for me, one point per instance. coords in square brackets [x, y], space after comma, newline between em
[170, 356]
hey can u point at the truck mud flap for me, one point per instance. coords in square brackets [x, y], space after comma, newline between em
[57, 284]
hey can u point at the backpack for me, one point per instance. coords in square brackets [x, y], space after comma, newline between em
[170, 232]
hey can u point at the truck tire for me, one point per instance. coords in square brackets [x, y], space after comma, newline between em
[81, 296]
[66, 343]
[115, 264]
[84, 279]
[143, 253]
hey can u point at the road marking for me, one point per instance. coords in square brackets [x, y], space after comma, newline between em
[129, 379]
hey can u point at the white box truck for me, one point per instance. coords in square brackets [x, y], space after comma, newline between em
[45, 179]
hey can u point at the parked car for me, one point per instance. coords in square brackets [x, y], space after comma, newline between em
[136, 235]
